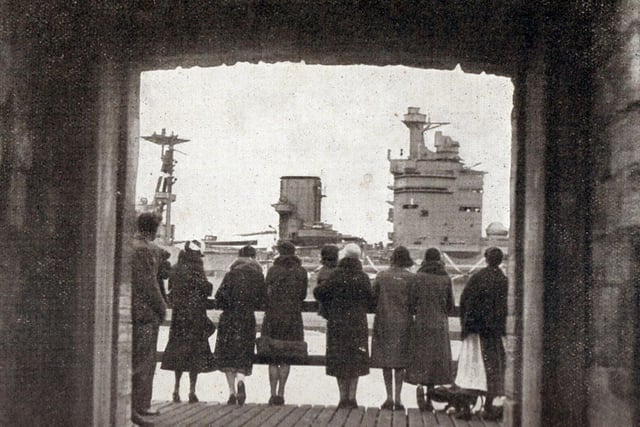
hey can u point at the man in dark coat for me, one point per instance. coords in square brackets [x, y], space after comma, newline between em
[148, 311]
[483, 311]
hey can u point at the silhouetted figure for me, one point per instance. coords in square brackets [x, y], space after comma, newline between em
[241, 292]
[432, 303]
[148, 310]
[391, 327]
[346, 297]
[286, 291]
[188, 347]
[483, 311]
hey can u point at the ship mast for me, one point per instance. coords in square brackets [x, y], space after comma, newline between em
[164, 196]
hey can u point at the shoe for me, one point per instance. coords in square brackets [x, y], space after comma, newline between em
[148, 412]
[176, 397]
[343, 404]
[137, 419]
[420, 398]
[232, 399]
[464, 414]
[491, 414]
[398, 407]
[280, 400]
[193, 398]
[353, 404]
[242, 395]
[388, 404]
[272, 400]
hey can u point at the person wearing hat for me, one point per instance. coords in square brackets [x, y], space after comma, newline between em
[430, 349]
[241, 292]
[286, 283]
[188, 346]
[147, 311]
[346, 297]
[390, 343]
[483, 311]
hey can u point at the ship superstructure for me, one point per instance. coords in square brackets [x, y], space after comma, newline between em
[437, 200]
[299, 208]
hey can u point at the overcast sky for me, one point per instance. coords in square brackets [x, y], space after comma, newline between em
[249, 124]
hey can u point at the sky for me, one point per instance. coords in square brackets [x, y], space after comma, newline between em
[250, 124]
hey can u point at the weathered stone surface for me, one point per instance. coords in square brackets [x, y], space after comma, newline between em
[606, 408]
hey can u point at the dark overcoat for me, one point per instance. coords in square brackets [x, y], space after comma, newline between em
[483, 311]
[241, 292]
[347, 297]
[286, 285]
[432, 303]
[391, 325]
[188, 347]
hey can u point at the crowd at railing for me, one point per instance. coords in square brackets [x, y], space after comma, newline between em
[410, 339]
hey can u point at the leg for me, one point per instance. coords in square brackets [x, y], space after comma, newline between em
[176, 387]
[343, 388]
[429, 404]
[145, 339]
[242, 394]
[387, 375]
[193, 379]
[399, 380]
[352, 386]
[273, 379]
[420, 397]
[231, 381]
[283, 375]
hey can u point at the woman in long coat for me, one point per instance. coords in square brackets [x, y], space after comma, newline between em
[347, 297]
[241, 292]
[188, 347]
[390, 344]
[287, 285]
[432, 302]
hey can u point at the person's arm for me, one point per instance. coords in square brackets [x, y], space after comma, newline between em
[304, 285]
[322, 292]
[450, 300]
[502, 306]
[223, 294]
[145, 279]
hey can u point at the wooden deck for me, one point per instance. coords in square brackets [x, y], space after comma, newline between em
[254, 415]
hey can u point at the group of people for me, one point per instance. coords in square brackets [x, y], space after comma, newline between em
[410, 340]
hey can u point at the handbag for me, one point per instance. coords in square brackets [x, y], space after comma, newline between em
[274, 348]
[471, 373]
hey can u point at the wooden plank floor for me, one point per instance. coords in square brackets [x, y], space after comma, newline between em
[217, 414]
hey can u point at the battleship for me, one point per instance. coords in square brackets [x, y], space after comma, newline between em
[437, 202]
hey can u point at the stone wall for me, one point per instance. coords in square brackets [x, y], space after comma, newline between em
[613, 373]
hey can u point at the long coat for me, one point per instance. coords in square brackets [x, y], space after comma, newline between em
[347, 297]
[483, 311]
[287, 285]
[241, 292]
[188, 347]
[432, 303]
[391, 325]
